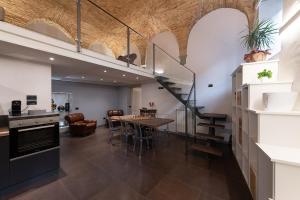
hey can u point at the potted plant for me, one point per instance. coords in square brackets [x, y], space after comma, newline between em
[258, 40]
[264, 75]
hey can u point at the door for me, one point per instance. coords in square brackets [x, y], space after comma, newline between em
[136, 100]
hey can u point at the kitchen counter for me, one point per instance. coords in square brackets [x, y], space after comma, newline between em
[26, 116]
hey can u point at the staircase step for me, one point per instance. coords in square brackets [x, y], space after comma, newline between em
[198, 107]
[162, 78]
[221, 117]
[169, 83]
[182, 94]
[211, 125]
[207, 149]
[209, 137]
[175, 88]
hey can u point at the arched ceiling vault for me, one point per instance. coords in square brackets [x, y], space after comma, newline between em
[148, 17]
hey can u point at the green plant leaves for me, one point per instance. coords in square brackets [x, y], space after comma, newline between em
[261, 36]
[265, 73]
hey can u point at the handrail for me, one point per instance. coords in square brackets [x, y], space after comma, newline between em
[123, 23]
[188, 99]
[174, 58]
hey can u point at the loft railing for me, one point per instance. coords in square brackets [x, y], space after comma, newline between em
[97, 30]
[152, 57]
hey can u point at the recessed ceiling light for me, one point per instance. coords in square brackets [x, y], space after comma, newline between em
[83, 77]
[105, 71]
[124, 75]
[51, 58]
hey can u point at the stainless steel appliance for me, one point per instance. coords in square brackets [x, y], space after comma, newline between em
[33, 145]
[32, 135]
[16, 107]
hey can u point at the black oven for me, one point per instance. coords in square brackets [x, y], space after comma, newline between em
[28, 138]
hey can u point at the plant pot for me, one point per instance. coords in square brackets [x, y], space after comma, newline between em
[259, 56]
[256, 56]
[264, 79]
[279, 101]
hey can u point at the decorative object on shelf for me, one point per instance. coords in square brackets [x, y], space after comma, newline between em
[259, 38]
[264, 75]
[61, 108]
[128, 58]
[151, 104]
[279, 101]
[53, 105]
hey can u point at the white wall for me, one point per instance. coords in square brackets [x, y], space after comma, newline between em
[101, 48]
[289, 66]
[136, 100]
[165, 103]
[92, 100]
[19, 78]
[171, 68]
[214, 51]
[272, 10]
[212, 55]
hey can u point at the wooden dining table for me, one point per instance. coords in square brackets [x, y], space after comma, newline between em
[144, 121]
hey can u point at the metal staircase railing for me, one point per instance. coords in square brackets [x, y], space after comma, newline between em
[168, 71]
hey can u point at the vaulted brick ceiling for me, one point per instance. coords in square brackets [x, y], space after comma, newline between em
[148, 17]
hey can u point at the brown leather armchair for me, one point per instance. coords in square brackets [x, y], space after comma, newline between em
[111, 113]
[79, 126]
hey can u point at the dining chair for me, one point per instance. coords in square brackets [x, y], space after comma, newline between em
[113, 130]
[127, 131]
[142, 134]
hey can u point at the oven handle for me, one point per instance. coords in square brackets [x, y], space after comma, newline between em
[35, 153]
[35, 128]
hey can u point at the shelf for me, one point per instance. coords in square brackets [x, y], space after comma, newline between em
[247, 72]
[209, 137]
[265, 112]
[283, 155]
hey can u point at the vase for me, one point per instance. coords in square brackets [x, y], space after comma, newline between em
[264, 79]
[256, 56]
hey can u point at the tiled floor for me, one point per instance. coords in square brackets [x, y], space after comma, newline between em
[93, 169]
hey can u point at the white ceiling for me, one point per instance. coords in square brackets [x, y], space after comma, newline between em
[68, 69]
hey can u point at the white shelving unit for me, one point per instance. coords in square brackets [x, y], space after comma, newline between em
[252, 125]
[279, 175]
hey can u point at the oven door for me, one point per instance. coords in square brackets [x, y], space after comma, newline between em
[31, 139]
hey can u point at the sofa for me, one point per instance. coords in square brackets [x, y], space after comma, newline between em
[111, 113]
[79, 126]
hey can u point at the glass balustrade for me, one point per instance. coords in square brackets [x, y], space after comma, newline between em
[88, 28]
